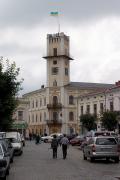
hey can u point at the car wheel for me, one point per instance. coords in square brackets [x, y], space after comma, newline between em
[11, 160]
[107, 159]
[116, 160]
[4, 178]
[7, 172]
[92, 159]
[84, 157]
[46, 140]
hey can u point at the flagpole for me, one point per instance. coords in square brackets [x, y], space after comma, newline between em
[55, 14]
[58, 20]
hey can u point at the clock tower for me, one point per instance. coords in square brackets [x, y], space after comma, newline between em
[58, 60]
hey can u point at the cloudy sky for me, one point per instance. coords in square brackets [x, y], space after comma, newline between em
[93, 27]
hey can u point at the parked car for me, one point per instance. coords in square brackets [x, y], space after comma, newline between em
[101, 147]
[2, 135]
[4, 162]
[16, 142]
[9, 148]
[50, 137]
[77, 140]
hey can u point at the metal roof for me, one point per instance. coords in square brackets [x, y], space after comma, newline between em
[88, 85]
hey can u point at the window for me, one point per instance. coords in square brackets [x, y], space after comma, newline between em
[55, 116]
[44, 115]
[40, 102]
[55, 62]
[55, 51]
[101, 108]
[20, 115]
[66, 71]
[111, 106]
[33, 118]
[55, 83]
[54, 70]
[55, 100]
[29, 118]
[95, 109]
[88, 109]
[71, 116]
[71, 99]
[36, 118]
[44, 101]
[40, 118]
[36, 103]
[105, 141]
[33, 104]
[81, 110]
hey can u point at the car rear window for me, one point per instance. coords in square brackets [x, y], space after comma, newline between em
[106, 141]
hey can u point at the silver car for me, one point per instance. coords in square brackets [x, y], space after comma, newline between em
[102, 147]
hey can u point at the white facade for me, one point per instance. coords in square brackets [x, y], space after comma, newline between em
[97, 103]
[53, 108]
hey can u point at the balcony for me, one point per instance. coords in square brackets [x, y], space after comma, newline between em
[54, 106]
[54, 122]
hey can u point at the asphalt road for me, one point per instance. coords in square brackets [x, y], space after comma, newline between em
[36, 163]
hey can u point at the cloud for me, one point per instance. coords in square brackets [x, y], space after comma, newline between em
[93, 27]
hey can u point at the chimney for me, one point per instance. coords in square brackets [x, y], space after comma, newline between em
[42, 87]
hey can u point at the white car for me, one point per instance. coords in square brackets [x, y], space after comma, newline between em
[16, 142]
[50, 137]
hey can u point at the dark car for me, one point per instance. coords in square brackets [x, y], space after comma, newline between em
[8, 147]
[4, 162]
[77, 140]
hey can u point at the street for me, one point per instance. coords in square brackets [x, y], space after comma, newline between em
[36, 163]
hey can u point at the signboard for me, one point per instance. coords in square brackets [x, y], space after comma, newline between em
[19, 125]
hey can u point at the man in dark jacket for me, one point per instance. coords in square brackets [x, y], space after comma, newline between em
[54, 146]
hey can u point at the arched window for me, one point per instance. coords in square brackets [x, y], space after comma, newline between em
[44, 115]
[36, 118]
[55, 116]
[40, 117]
[36, 103]
[33, 118]
[55, 100]
[71, 99]
[71, 116]
[33, 104]
[55, 83]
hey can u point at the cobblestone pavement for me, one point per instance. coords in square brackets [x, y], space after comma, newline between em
[36, 163]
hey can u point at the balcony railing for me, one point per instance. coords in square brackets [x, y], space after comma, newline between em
[54, 106]
[54, 122]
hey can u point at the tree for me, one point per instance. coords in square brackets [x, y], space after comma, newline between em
[9, 87]
[109, 120]
[88, 121]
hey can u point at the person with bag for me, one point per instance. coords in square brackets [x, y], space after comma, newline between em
[54, 146]
[64, 142]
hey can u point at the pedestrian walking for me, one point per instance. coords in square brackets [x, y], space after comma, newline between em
[37, 139]
[30, 136]
[64, 142]
[54, 146]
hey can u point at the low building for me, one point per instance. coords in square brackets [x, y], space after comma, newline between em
[99, 102]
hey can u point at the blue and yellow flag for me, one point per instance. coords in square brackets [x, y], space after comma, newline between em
[54, 13]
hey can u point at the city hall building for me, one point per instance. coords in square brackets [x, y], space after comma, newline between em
[56, 106]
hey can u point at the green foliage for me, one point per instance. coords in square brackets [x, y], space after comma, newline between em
[109, 120]
[9, 87]
[88, 121]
